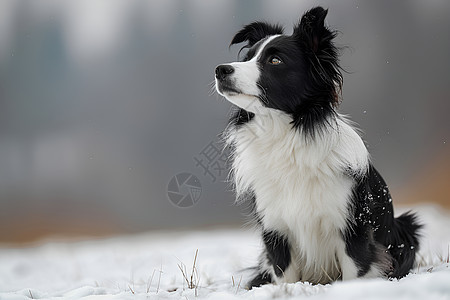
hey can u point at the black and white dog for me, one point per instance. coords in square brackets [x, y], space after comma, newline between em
[325, 212]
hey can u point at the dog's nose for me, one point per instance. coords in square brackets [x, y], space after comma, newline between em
[223, 71]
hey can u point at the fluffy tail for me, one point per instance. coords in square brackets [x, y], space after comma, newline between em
[404, 243]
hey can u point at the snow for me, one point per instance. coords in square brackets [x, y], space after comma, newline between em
[145, 266]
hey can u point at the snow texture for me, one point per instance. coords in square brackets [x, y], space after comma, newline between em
[145, 266]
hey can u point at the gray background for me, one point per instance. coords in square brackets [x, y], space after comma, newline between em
[103, 102]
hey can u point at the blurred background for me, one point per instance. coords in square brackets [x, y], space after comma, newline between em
[103, 102]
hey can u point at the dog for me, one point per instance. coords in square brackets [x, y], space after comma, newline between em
[324, 211]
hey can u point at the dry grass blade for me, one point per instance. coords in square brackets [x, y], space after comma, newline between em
[182, 268]
[149, 282]
[159, 279]
[192, 279]
[194, 269]
[239, 284]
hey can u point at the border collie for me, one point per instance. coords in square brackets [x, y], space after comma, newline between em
[325, 212]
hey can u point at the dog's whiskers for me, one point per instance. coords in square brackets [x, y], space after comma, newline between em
[212, 88]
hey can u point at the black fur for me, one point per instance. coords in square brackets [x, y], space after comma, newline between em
[277, 255]
[277, 250]
[255, 32]
[240, 116]
[404, 242]
[374, 224]
[260, 279]
[322, 57]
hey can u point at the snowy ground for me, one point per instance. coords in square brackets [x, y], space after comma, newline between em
[146, 266]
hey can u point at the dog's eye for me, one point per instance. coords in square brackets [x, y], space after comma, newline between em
[275, 60]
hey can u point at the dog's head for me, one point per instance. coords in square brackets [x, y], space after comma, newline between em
[297, 74]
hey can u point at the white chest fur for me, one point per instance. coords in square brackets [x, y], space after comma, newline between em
[301, 188]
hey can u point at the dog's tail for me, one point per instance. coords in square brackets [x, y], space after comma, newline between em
[404, 243]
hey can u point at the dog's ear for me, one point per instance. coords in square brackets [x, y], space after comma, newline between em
[316, 40]
[312, 30]
[254, 32]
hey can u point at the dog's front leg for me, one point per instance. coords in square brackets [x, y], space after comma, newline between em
[278, 252]
[276, 261]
